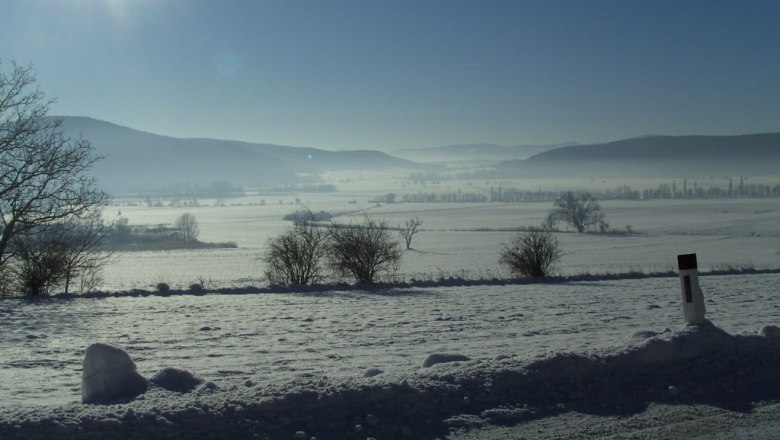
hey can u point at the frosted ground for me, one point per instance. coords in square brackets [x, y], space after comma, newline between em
[464, 239]
[270, 356]
[602, 358]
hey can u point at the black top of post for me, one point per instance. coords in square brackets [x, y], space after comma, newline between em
[686, 261]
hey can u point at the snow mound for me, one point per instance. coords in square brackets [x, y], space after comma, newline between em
[442, 358]
[175, 379]
[371, 372]
[770, 331]
[109, 375]
[692, 366]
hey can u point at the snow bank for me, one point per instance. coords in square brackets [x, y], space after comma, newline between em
[697, 364]
[109, 375]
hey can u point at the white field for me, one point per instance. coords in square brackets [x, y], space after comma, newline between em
[257, 348]
[276, 337]
[461, 239]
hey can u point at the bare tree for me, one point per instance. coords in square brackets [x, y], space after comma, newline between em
[531, 254]
[84, 255]
[296, 256]
[364, 250]
[43, 177]
[187, 225]
[578, 209]
[409, 229]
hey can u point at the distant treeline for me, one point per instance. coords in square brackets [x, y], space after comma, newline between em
[431, 197]
[694, 191]
[126, 237]
[739, 189]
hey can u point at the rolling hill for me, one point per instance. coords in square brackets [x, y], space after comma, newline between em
[470, 153]
[137, 161]
[657, 156]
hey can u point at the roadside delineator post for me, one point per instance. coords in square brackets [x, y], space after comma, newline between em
[692, 297]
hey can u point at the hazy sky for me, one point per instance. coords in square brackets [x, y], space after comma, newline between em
[395, 73]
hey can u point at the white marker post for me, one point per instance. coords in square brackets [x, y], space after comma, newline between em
[693, 299]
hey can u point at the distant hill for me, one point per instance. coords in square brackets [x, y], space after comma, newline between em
[657, 156]
[482, 153]
[140, 161]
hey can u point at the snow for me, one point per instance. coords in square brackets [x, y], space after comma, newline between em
[770, 331]
[443, 358]
[464, 239]
[276, 364]
[590, 357]
[109, 375]
[176, 379]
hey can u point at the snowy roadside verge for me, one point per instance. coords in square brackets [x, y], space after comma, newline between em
[700, 365]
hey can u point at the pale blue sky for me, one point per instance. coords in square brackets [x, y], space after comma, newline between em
[400, 73]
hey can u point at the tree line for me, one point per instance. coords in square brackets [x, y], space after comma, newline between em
[736, 188]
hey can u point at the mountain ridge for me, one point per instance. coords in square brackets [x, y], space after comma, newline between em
[660, 155]
[137, 161]
[482, 152]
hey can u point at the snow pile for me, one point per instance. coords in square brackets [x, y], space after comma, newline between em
[109, 375]
[175, 379]
[698, 364]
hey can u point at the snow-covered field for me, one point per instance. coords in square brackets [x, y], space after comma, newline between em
[600, 358]
[258, 343]
[464, 239]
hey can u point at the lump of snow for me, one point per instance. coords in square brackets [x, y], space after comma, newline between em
[208, 387]
[441, 358]
[371, 372]
[175, 379]
[109, 375]
[770, 332]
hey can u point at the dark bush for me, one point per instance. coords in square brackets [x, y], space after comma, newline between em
[363, 251]
[531, 254]
[305, 216]
[295, 257]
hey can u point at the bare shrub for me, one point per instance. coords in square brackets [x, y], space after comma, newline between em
[38, 266]
[531, 254]
[550, 222]
[363, 251]
[295, 256]
[58, 255]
